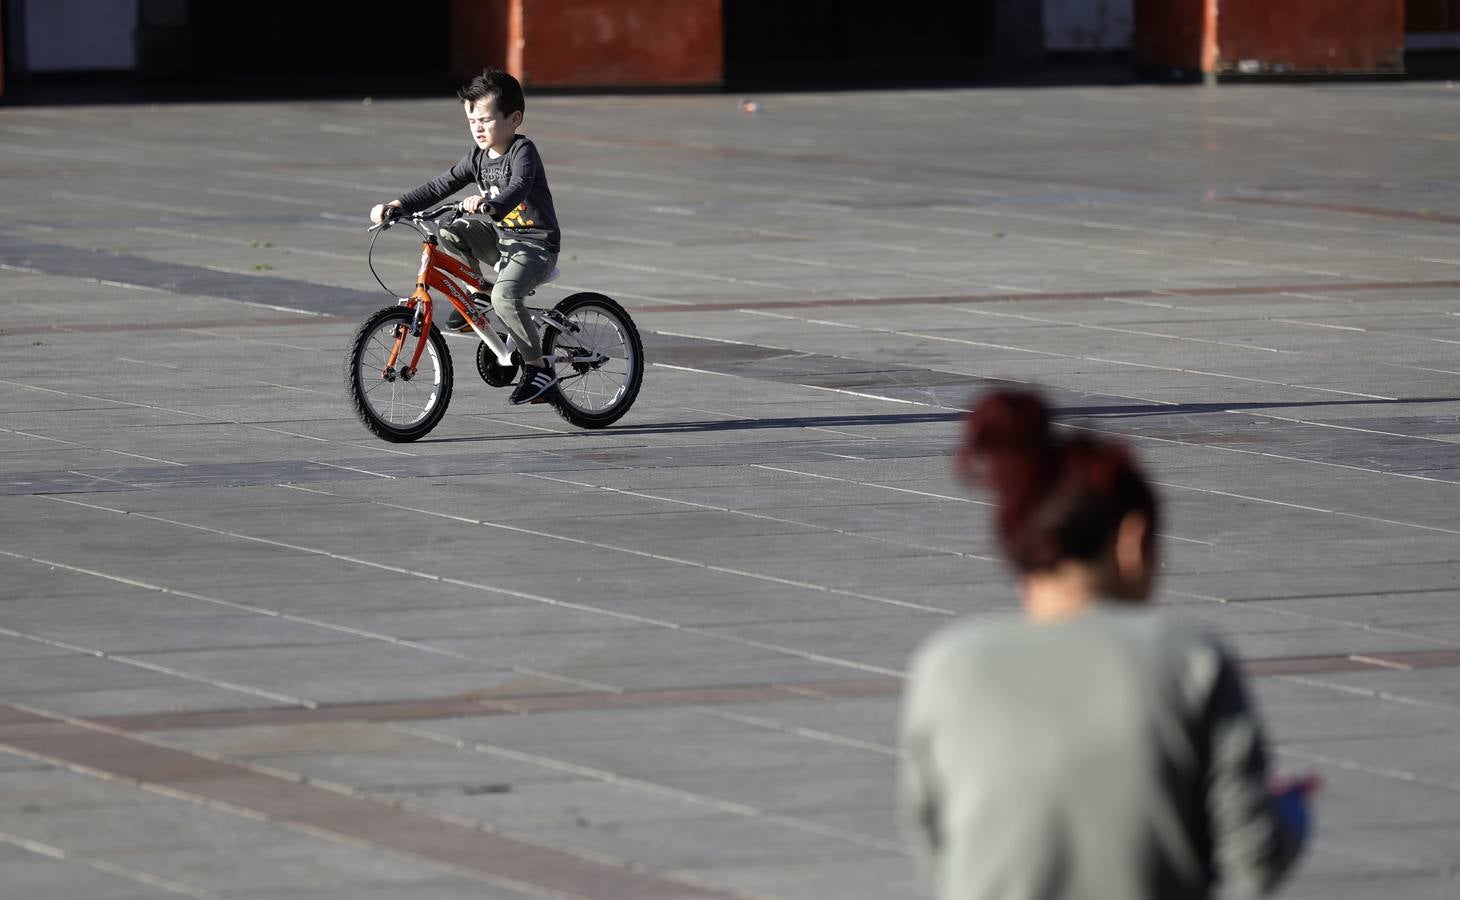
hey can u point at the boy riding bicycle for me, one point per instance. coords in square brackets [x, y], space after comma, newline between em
[519, 235]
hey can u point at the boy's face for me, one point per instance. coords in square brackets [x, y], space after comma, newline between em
[488, 126]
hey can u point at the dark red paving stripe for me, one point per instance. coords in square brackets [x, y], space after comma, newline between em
[1375, 211]
[446, 708]
[1254, 290]
[1305, 665]
[1418, 659]
[449, 708]
[1354, 662]
[99, 750]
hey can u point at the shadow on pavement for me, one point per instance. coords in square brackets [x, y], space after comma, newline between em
[1193, 409]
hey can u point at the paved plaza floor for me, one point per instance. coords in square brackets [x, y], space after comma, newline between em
[249, 651]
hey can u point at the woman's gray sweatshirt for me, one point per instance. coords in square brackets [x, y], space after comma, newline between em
[1108, 757]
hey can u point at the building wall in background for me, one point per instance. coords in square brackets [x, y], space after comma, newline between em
[79, 35]
[1089, 25]
[572, 43]
[1309, 36]
[215, 44]
[1216, 38]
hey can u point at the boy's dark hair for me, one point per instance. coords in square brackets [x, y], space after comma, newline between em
[495, 83]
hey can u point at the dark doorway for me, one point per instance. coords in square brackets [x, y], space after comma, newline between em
[205, 49]
[1432, 38]
[771, 43]
[370, 44]
[1432, 16]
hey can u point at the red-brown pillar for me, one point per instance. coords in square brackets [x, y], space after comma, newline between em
[592, 43]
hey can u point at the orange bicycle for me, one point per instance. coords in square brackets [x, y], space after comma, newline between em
[399, 374]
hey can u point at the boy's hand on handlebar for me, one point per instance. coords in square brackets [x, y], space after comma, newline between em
[473, 204]
[381, 211]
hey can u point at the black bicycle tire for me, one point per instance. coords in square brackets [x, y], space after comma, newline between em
[377, 426]
[569, 412]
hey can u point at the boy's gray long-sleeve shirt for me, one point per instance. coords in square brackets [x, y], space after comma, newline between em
[1109, 757]
[515, 185]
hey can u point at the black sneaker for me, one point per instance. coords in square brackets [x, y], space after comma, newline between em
[535, 383]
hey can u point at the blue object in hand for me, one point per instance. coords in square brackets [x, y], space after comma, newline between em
[1292, 808]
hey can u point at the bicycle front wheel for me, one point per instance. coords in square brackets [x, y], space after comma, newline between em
[393, 402]
[605, 367]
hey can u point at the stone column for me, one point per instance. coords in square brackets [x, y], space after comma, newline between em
[592, 43]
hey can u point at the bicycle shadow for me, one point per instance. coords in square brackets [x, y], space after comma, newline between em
[714, 425]
[1064, 413]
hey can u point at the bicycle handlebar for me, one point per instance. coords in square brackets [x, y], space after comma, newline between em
[394, 214]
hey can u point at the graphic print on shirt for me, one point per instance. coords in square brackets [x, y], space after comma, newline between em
[494, 174]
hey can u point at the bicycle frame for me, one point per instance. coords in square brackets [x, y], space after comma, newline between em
[438, 268]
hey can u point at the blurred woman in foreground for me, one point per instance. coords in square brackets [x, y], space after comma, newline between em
[1092, 749]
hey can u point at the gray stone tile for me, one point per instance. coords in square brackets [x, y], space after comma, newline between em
[40, 789]
[872, 719]
[45, 878]
[193, 632]
[1430, 886]
[1420, 608]
[785, 789]
[748, 751]
[436, 889]
[423, 775]
[37, 676]
[567, 728]
[301, 863]
[132, 828]
[882, 875]
[694, 843]
[175, 695]
[563, 804]
[1423, 756]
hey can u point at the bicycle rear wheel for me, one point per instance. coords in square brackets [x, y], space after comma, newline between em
[599, 386]
[393, 403]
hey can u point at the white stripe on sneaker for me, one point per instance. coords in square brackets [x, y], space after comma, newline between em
[539, 383]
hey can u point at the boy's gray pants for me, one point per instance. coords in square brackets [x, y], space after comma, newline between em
[527, 263]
